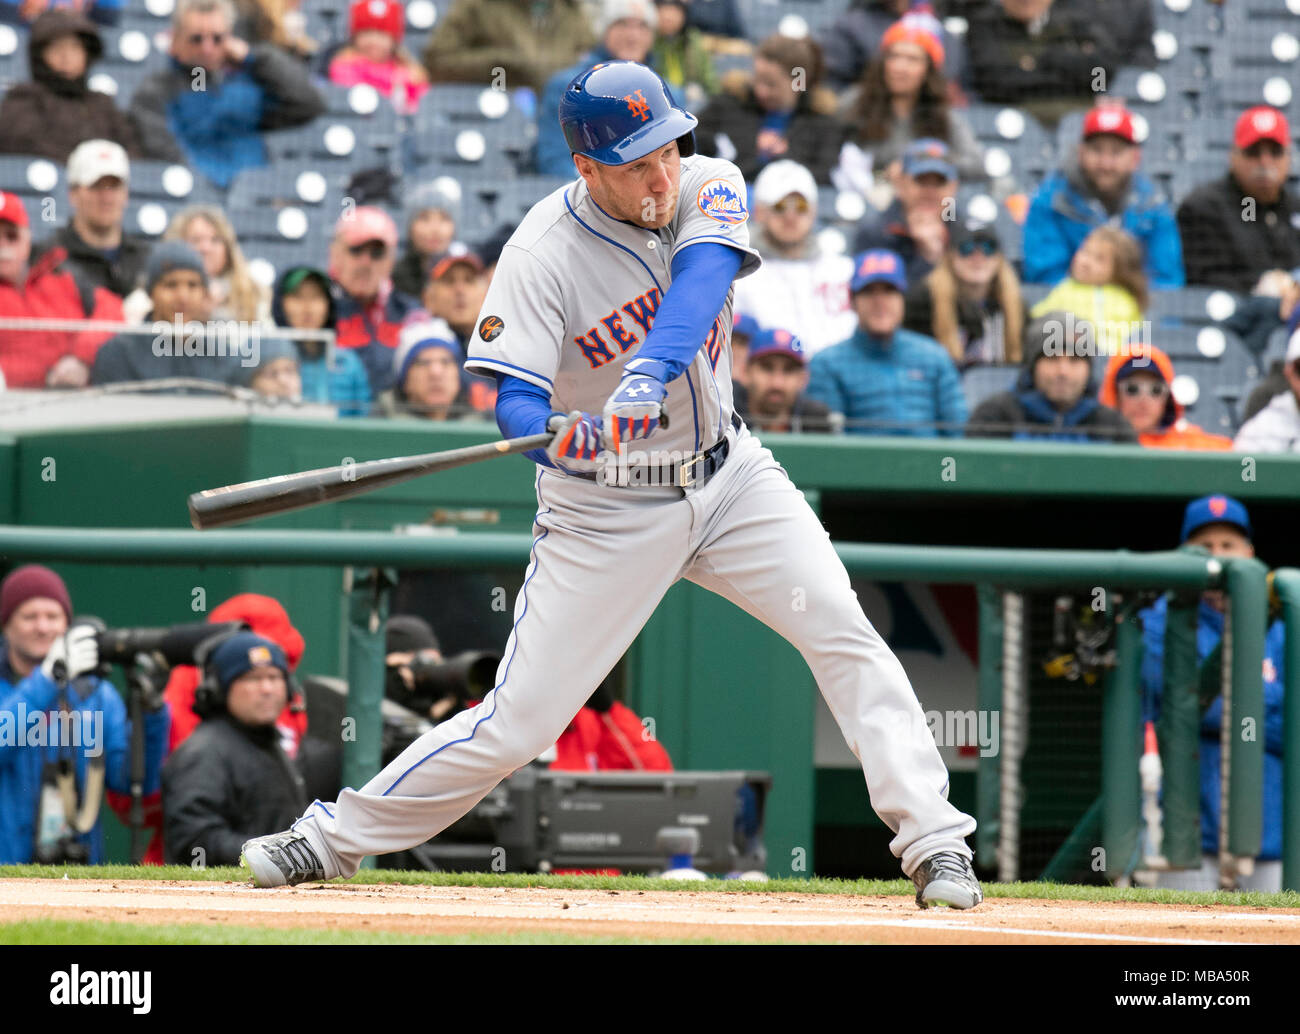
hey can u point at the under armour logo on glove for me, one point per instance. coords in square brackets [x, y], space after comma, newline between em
[632, 412]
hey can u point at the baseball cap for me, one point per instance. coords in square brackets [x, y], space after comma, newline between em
[968, 228]
[1111, 120]
[777, 342]
[1214, 509]
[1261, 123]
[366, 223]
[12, 209]
[877, 266]
[378, 15]
[92, 160]
[928, 155]
[780, 179]
[466, 258]
[746, 326]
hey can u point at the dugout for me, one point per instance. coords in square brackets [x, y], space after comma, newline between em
[724, 693]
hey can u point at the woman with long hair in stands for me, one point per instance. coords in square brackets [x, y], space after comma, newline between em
[236, 295]
[903, 96]
[971, 302]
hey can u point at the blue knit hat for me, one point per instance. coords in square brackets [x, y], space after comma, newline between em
[243, 652]
[171, 255]
[420, 337]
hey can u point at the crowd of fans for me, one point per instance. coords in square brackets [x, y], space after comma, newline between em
[883, 331]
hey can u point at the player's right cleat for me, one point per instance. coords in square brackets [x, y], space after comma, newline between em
[280, 860]
[947, 879]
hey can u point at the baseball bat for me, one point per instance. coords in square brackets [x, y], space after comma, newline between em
[284, 493]
[233, 504]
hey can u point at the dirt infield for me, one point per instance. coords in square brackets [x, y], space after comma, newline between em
[650, 914]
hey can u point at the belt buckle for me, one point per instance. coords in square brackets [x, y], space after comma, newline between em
[685, 478]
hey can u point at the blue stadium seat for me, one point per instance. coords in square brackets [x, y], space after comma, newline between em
[1187, 341]
[1189, 306]
[1238, 88]
[1220, 386]
[41, 185]
[981, 382]
[13, 57]
[171, 184]
[452, 109]
[1034, 293]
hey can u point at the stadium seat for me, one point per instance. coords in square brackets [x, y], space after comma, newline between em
[1212, 390]
[981, 382]
[1190, 306]
[471, 126]
[1239, 88]
[1034, 293]
[41, 185]
[13, 57]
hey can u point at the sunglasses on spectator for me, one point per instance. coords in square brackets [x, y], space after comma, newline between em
[1134, 389]
[792, 204]
[196, 38]
[375, 249]
[984, 246]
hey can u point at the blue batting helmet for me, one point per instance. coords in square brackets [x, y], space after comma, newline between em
[619, 111]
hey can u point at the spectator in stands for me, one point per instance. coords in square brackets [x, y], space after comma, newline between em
[530, 42]
[98, 249]
[777, 377]
[180, 342]
[1106, 287]
[1276, 427]
[1038, 55]
[799, 284]
[1130, 23]
[279, 22]
[743, 329]
[1103, 187]
[369, 311]
[852, 41]
[1221, 525]
[780, 111]
[680, 54]
[1241, 232]
[625, 32]
[432, 211]
[101, 12]
[1139, 383]
[971, 302]
[276, 373]
[374, 55]
[303, 302]
[245, 92]
[52, 694]
[231, 779]
[455, 293]
[606, 735]
[902, 97]
[44, 290]
[56, 110]
[914, 225]
[1054, 397]
[884, 379]
[235, 294]
[426, 376]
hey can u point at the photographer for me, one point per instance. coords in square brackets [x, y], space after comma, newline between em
[231, 779]
[64, 730]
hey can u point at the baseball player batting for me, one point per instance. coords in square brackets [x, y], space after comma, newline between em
[611, 310]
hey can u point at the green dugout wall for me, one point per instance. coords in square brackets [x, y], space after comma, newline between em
[724, 692]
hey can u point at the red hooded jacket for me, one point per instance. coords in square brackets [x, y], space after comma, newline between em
[608, 741]
[1174, 431]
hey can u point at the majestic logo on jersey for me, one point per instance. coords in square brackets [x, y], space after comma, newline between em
[719, 201]
[491, 327]
[640, 310]
[638, 105]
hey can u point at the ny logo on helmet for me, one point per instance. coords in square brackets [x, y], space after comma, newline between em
[638, 106]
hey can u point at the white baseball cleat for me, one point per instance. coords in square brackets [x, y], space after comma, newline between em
[281, 860]
[947, 879]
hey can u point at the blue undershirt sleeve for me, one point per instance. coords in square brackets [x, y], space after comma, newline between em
[523, 409]
[702, 276]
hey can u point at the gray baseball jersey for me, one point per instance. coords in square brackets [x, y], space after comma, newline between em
[576, 291]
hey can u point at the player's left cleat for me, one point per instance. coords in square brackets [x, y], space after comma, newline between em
[280, 860]
[947, 879]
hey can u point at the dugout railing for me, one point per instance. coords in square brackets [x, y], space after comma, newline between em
[1002, 576]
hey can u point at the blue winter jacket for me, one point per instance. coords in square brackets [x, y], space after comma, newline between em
[1209, 631]
[903, 385]
[106, 729]
[1061, 216]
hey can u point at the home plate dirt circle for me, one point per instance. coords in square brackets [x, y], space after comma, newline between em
[664, 915]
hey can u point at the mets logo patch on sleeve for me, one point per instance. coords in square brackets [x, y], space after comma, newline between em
[491, 327]
[719, 201]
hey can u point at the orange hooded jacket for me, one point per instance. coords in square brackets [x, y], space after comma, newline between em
[1174, 431]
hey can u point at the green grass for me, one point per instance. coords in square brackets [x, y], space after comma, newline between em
[64, 932]
[812, 885]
